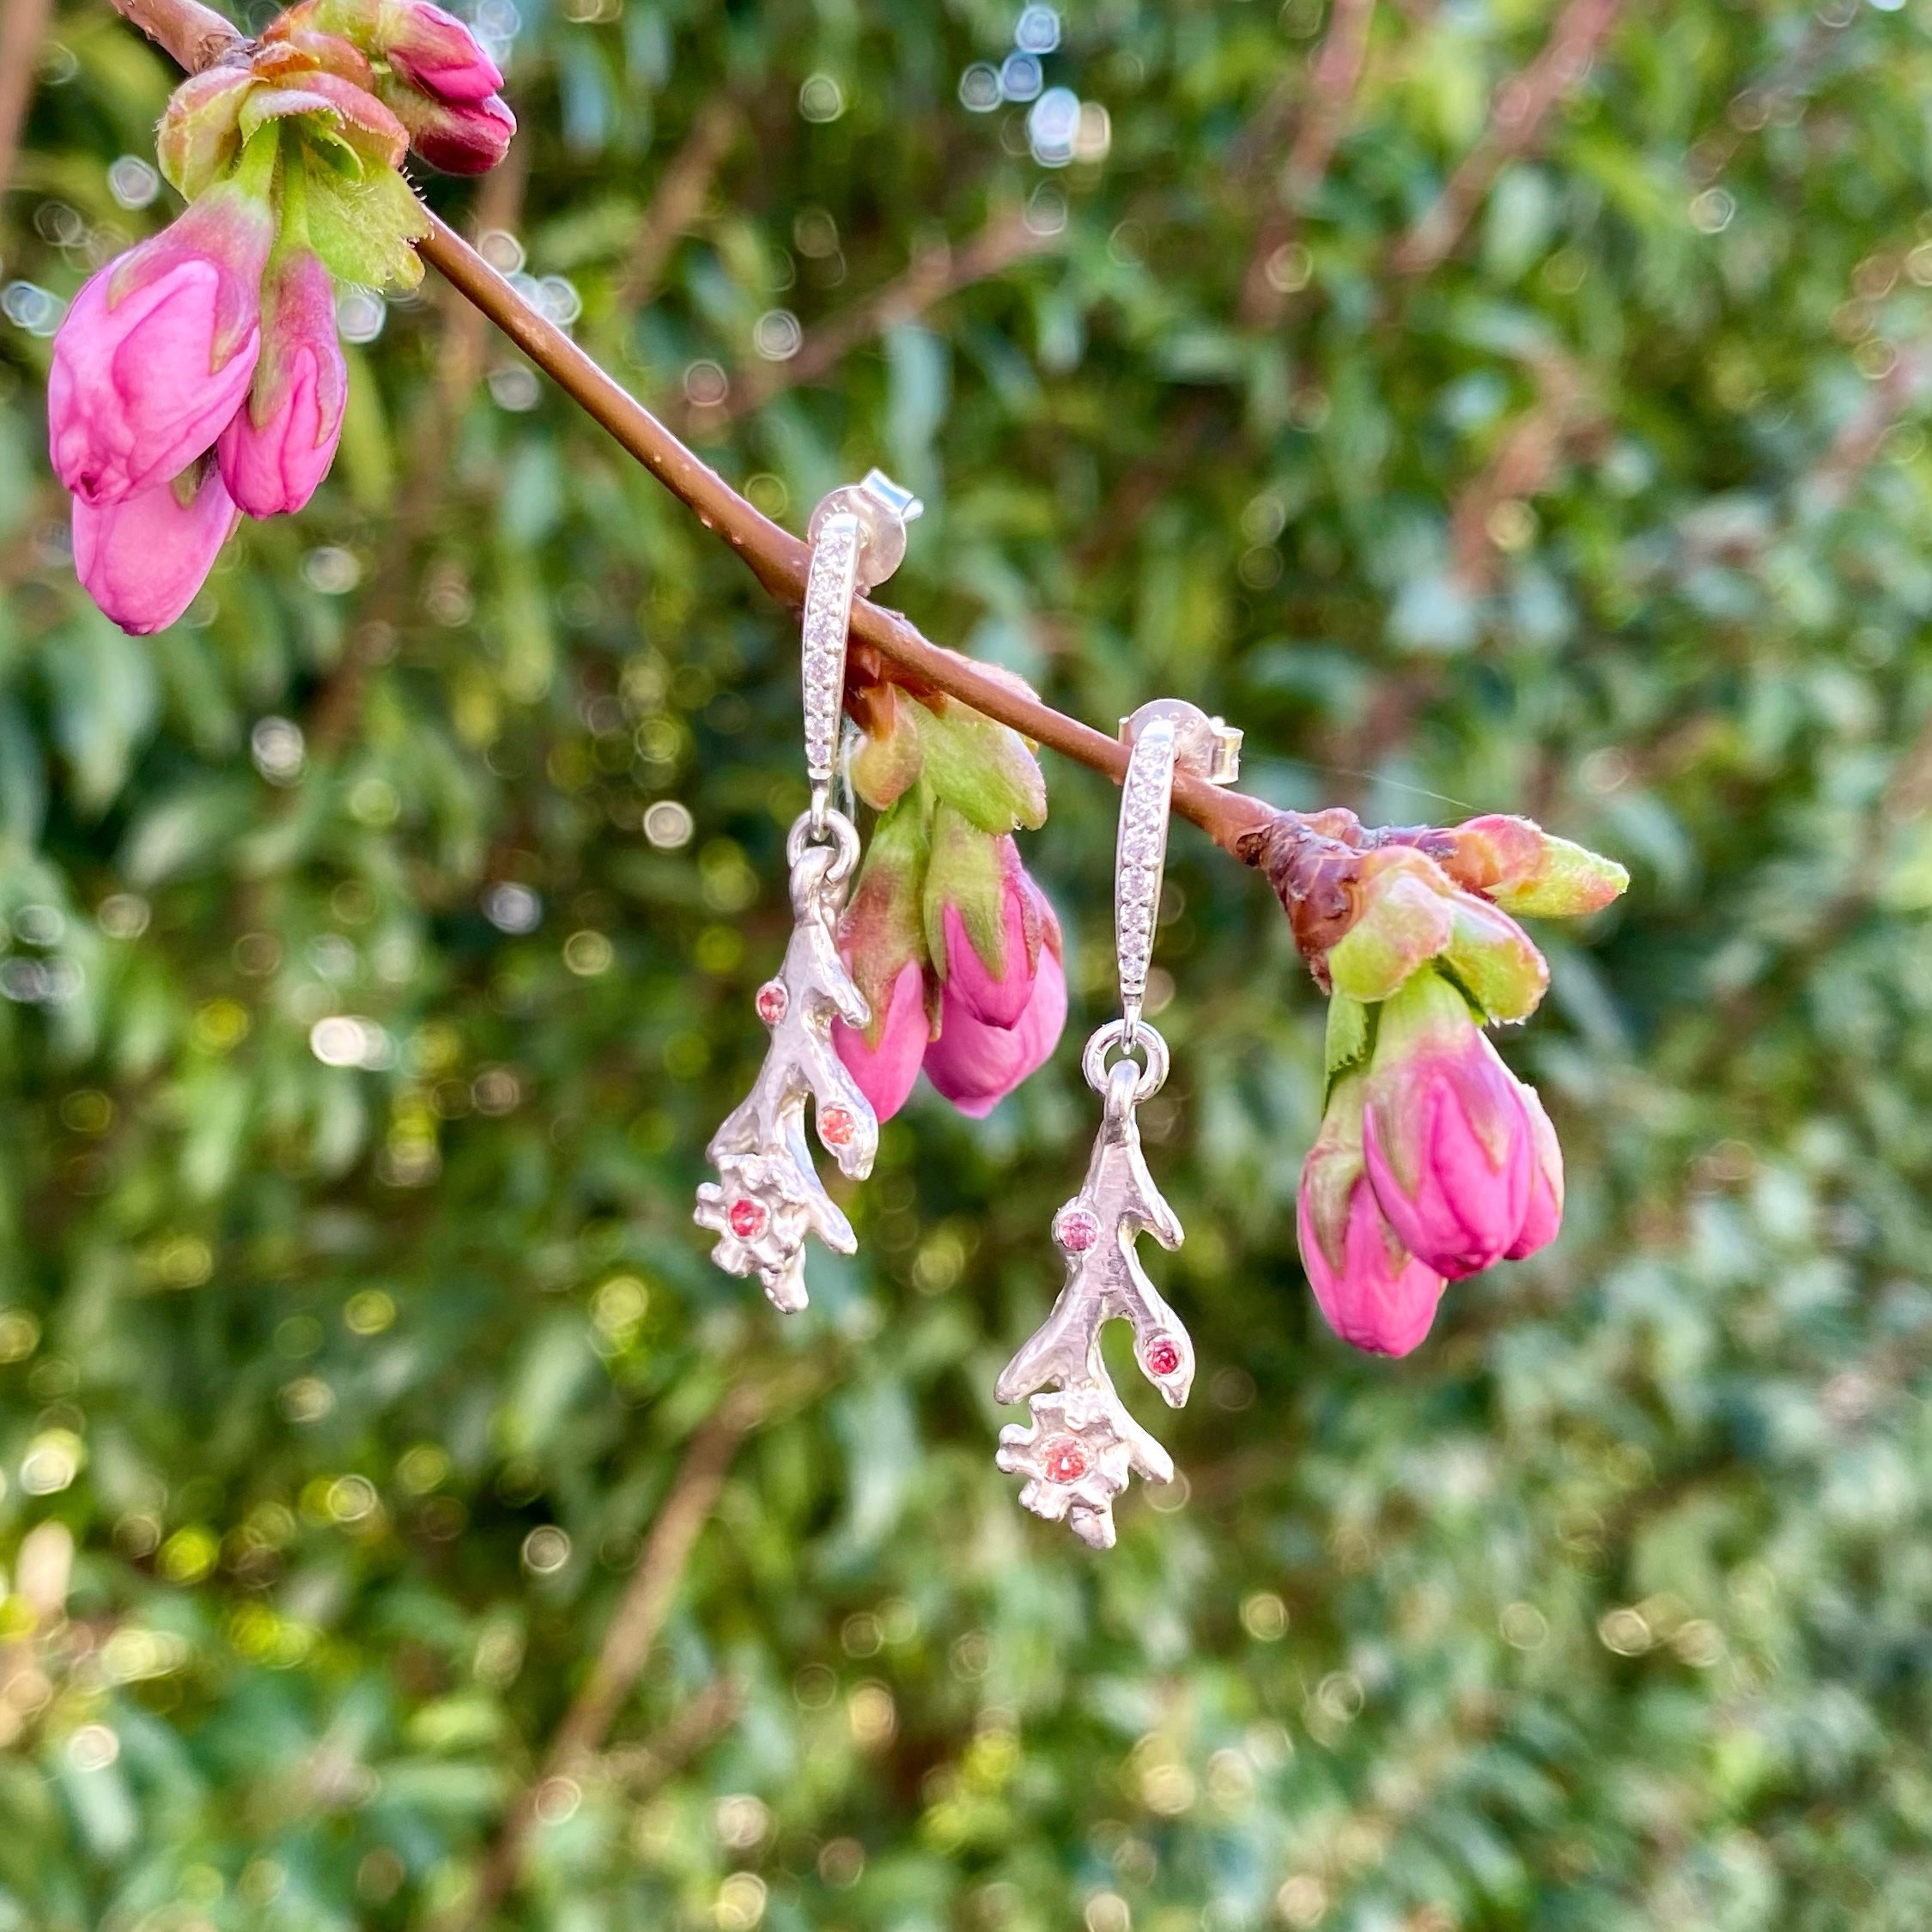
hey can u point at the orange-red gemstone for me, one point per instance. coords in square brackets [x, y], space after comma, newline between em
[1078, 1231]
[747, 1219]
[1063, 1460]
[772, 1001]
[1163, 1356]
[836, 1126]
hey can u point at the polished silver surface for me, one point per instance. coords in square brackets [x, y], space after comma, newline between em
[858, 537]
[767, 1196]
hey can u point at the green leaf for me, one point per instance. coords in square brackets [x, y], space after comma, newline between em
[363, 229]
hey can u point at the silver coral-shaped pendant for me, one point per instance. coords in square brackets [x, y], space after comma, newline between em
[767, 1196]
[1080, 1446]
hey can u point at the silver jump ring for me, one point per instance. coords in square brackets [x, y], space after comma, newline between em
[844, 834]
[1153, 1075]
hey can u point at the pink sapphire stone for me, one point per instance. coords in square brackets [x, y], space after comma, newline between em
[772, 1001]
[1078, 1231]
[837, 1126]
[747, 1219]
[1063, 1460]
[1163, 1356]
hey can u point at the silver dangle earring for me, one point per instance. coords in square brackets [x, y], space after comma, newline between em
[767, 1195]
[1080, 1446]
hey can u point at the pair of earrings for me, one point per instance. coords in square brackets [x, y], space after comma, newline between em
[1080, 1446]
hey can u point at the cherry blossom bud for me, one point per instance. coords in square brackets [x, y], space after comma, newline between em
[459, 137]
[157, 352]
[435, 52]
[1545, 1214]
[986, 921]
[279, 446]
[143, 557]
[1446, 1136]
[974, 1065]
[1525, 870]
[1371, 1292]
[884, 1057]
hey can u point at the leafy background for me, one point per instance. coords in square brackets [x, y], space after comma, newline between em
[1607, 1609]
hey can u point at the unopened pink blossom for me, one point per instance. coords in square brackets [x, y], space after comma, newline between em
[278, 447]
[1544, 1216]
[1446, 1137]
[1371, 1290]
[157, 352]
[143, 557]
[974, 1064]
[884, 1059]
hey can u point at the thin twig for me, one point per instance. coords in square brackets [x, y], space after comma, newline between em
[627, 1644]
[1523, 464]
[20, 34]
[1332, 80]
[641, 1768]
[1520, 108]
[1858, 442]
[679, 197]
[934, 275]
[779, 560]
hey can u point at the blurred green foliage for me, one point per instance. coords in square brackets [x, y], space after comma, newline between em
[1608, 1609]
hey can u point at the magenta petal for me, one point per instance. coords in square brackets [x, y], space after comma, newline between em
[1382, 1300]
[435, 52]
[1467, 1208]
[132, 395]
[142, 559]
[885, 1073]
[276, 451]
[976, 1066]
[1544, 1218]
[1000, 1000]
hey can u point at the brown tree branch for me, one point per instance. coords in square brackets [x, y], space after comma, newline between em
[934, 275]
[779, 560]
[21, 34]
[1332, 80]
[680, 195]
[627, 1644]
[1518, 112]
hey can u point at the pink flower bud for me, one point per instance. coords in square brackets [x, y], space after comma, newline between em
[994, 982]
[1371, 1292]
[975, 1065]
[883, 1059]
[142, 558]
[435, 52]
[1545, 1214]
[279, 446]
[459, 137]
[156, 353]
[1446, 1137]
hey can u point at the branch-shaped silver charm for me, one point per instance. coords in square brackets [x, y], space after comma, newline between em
[767, 1196]
[1081, 1445]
